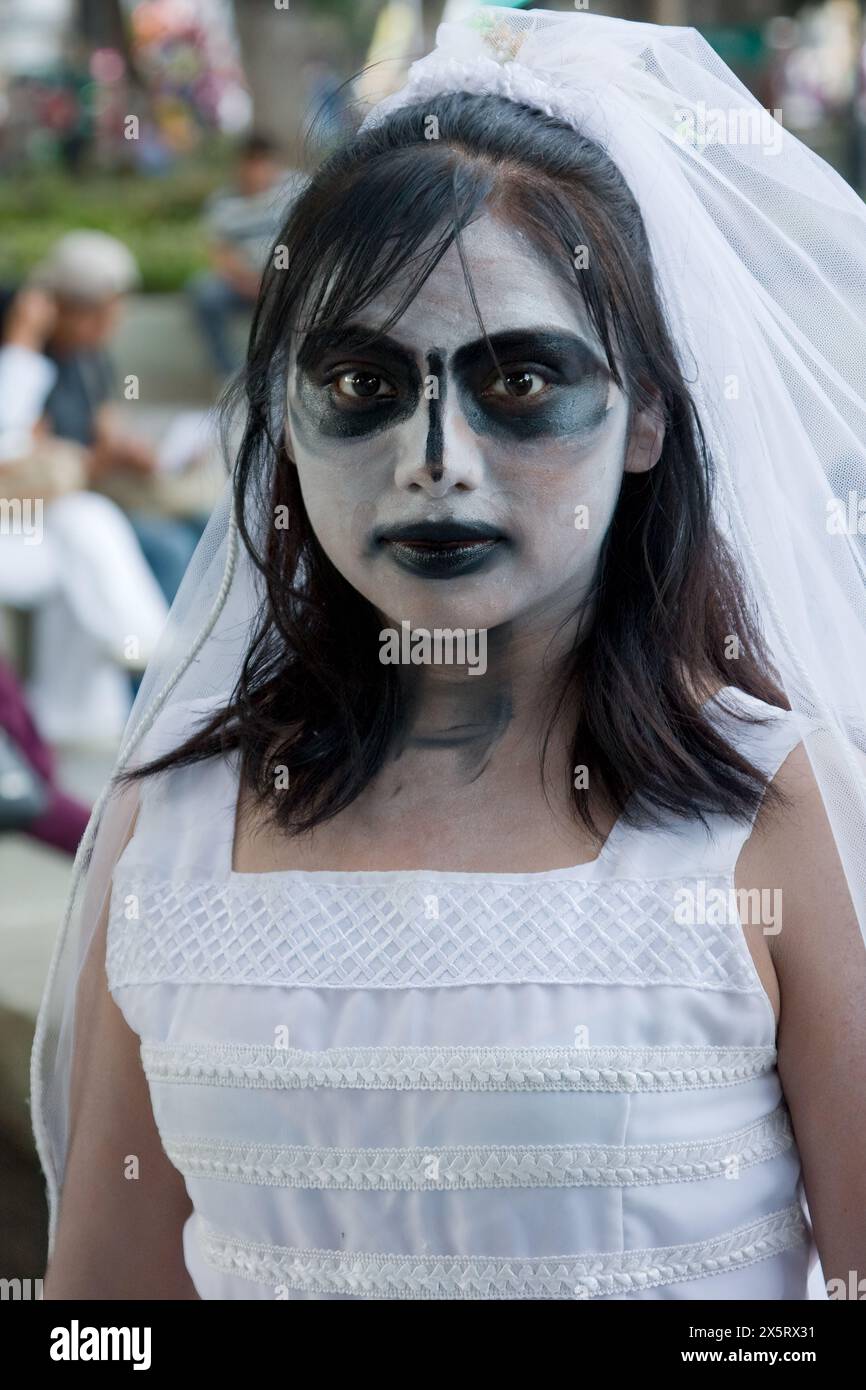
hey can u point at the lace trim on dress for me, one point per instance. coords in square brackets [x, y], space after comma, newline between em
[494, 1277]
[422, 934]
[483, 1165]
[629, 1069]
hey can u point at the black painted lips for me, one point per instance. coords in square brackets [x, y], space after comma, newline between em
[441, 549]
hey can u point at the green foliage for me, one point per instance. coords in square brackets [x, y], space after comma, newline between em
[159, 218]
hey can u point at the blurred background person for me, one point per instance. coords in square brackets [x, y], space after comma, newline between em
[31, 801]
[67, 555]
[241, 224]
[88, 275]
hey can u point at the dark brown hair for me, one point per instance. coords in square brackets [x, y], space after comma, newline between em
[671, 622]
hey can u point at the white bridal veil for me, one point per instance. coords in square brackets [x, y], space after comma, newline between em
[760, 249]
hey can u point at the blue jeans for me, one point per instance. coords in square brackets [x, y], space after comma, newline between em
[216, 303]
[168, 544]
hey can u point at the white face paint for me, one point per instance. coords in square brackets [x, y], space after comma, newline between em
[419, 429]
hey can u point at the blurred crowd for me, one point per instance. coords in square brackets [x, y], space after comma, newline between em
[95, 534]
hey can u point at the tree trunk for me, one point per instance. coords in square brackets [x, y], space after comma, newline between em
[276, 46]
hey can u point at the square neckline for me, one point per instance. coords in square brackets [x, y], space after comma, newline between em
[357, 876]
[587, 868]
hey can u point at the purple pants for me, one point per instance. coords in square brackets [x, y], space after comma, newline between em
[64, 819]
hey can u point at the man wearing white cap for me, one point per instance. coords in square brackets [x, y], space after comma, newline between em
[77, 563]
[88, 274]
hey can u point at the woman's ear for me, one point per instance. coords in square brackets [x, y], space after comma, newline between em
[646, 438]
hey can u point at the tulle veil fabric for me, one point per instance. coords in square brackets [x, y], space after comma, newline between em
[760, 249]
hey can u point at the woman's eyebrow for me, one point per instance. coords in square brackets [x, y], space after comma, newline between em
[352, 338]
[529, 343]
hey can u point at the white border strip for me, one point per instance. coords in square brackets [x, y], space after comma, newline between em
[394, 1276]
[481, 1165]
[620, 1069]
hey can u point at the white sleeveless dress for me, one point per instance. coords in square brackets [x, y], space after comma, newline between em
[418, 1084]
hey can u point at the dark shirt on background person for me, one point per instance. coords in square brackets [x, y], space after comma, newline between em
[85, 382]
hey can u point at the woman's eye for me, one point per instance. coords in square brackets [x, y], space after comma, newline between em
[359, 385]
[522, 384]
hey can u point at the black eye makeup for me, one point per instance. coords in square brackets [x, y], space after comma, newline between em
[355, 383]
[351, 384]
[551, 384]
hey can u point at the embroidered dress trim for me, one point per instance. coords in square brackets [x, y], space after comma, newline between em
[493, 1277]
[621, 1069]
[419, 933]
[481, 1165]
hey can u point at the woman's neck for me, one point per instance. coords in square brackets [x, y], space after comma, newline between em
[471, 716]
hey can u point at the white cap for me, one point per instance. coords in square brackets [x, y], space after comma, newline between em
[87, 265]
